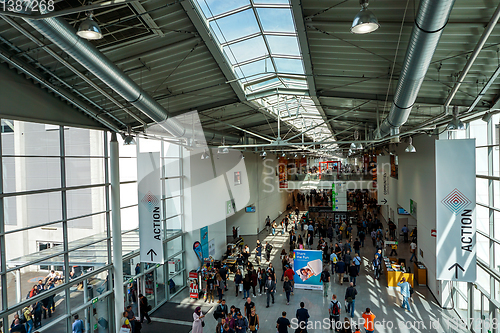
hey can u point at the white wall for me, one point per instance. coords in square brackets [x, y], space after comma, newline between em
[417, 181]
[215, 231]
[265, 195]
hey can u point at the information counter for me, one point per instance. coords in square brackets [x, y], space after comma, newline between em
[393, 273]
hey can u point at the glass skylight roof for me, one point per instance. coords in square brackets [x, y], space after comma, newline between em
[259, 40]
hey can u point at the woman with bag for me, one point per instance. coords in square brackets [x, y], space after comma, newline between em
[247, 283]
[287, 288]
[220, 286]
[198, 321]
[145, 308]
[237, 282]
[125, 323]
[253, 321]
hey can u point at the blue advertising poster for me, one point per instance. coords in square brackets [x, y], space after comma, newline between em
[308, 266]
[204, 241]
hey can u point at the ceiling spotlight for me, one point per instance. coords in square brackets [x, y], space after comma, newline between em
[263, 154]
[89, 29]
[455, 124]
[353, 145]
[411, 147]
[129, 140]
[205, 155]
[283, 154]
[486, 117]
[295, 156]
[303, 155]
[365, 21]
[242, 156]
[222, 150]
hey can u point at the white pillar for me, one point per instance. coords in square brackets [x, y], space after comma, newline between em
[116, 230]
[19, 297]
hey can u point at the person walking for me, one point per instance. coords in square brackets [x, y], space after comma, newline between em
[253, 321]
[258, 252]
[287, 288]
[270, 289]
[17, 327]
[353, 273]
[333, 262]
[220, 286]
[405, 233]
[241, 323]
[124, 322]
[289, 273]
[405, 292]
[325, 278]
[210, 288]
[247, 283]
[340, 270]
[238, 279]
[334, 310]
[302, 316]
[77, 326]
[357, 261]
[249, 305]
[413, 250]
[394, 247]
[145, 308]
[268, 249]
[268, 223]
[376, 265]
[350, 299]
[198, 321]
[283, 323]
[28, 316]
[369, 318]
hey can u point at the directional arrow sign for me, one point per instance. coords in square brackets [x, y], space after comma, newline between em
[457, 267]
[150, 212]
[152, 253]
[384, 201]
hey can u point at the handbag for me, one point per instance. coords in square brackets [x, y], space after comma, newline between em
[124, 330]
[241, 287]
[202, 324]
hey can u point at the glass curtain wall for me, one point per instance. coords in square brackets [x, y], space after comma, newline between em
[478, 303]
[55, 237]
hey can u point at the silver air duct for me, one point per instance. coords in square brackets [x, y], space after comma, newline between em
[429, 24]
[64, 36]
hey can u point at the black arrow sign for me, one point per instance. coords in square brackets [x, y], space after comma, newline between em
[384, 201]
[152, 252]
[456, 266]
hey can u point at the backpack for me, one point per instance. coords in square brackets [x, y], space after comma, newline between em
[323, 277]
[411, 290]
[335, 308]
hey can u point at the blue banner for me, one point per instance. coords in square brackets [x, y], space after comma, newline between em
[308, 266]
[204, 241]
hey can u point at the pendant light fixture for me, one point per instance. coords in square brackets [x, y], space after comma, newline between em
[365, 21]
[89, 29]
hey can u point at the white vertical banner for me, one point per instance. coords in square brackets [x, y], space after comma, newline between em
[456, 210]
[150, 212]
[383, 174]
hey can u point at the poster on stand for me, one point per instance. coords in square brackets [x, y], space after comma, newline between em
[308, 265]
[204, 241]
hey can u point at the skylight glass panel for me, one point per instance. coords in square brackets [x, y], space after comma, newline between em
[254, 68]
[248, 49]
[245, 22]
[292, 66]
[283, 45]
[276, 19]
[264, 84]
[215, 7]
[273, 2]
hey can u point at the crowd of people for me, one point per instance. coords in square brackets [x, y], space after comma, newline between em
[340, 241]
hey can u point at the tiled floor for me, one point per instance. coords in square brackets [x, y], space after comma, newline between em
[384, 302]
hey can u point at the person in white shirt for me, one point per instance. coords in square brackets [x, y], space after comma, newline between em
[413, 250]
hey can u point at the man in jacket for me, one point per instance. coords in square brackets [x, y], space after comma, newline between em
[221, 311]
[302, 316]
[18, 327]
[353, 273]
[144, 306]
[350, 298]
[347, 257]
[325, 278]
[405, 292]
[333, 262]
[376, 265]
[340, 270]
[241, 323]
[270, 289]
[268, 249]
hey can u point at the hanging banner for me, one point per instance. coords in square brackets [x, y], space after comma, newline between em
[456, 210]
[282, 172]
[204, 241]
[383, 174]
[308, 266]
[150, 215]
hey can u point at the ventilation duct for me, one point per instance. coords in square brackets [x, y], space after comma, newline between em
[59, 32]
[431, 19]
